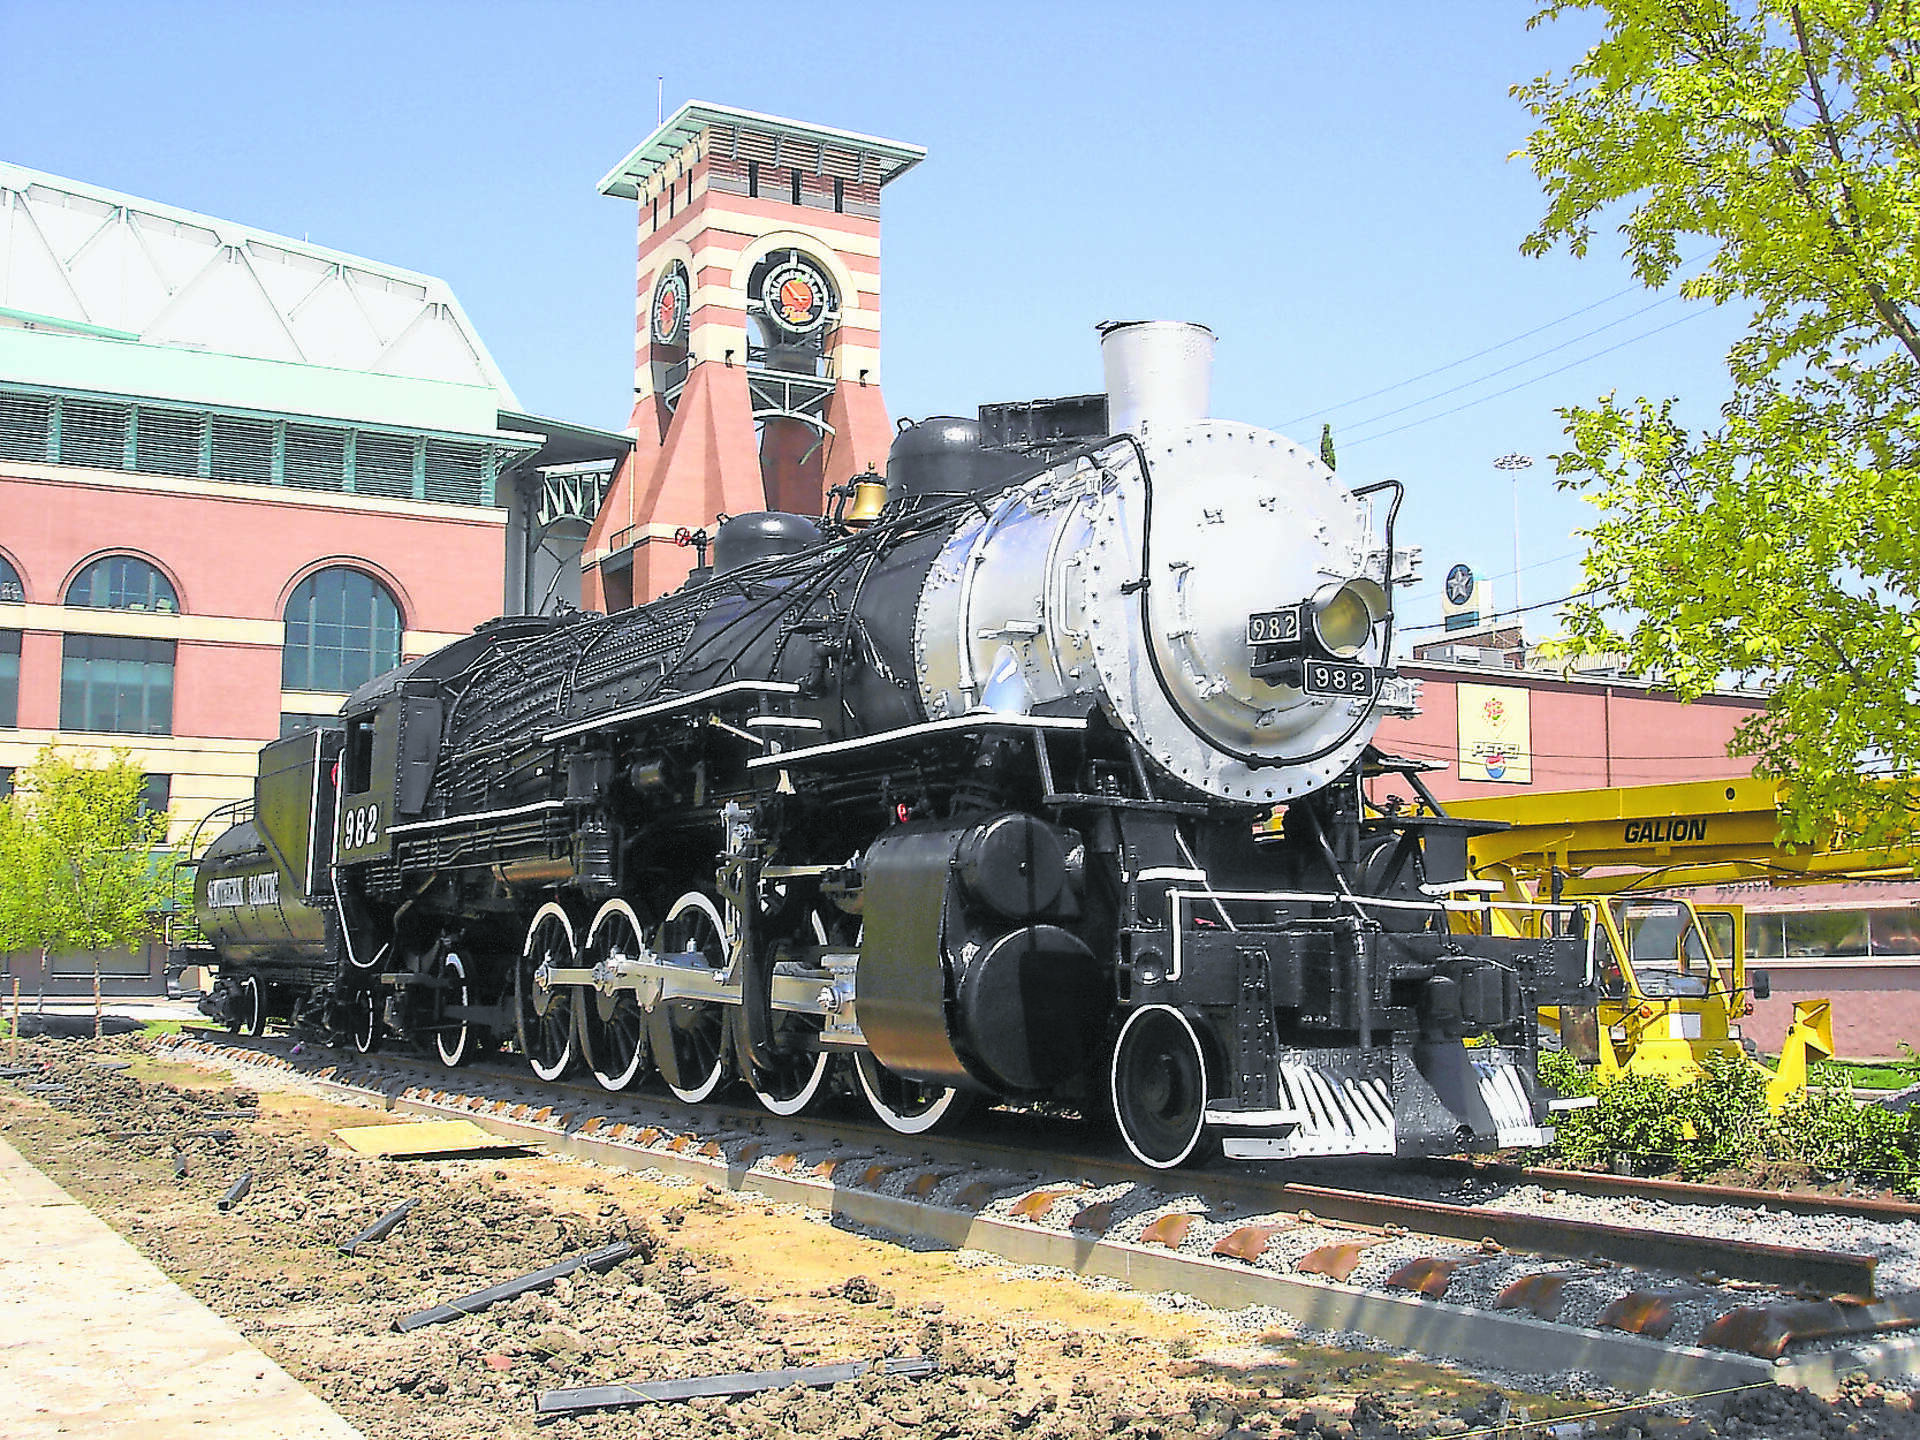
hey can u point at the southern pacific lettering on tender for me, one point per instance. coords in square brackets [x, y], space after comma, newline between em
[1672, 830]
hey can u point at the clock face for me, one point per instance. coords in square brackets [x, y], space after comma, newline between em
[670, 306]
[1459, 585]
[797, 296]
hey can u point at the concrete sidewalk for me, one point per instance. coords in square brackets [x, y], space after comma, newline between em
[95, 1341]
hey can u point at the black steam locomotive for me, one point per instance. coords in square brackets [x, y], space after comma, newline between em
[1044, 785]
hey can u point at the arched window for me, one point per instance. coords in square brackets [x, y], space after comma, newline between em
[122, 582]
[343, 628]
[12, 592]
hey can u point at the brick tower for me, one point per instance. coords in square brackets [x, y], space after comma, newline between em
[757, 364]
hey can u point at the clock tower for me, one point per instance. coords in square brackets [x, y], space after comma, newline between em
[757, 370]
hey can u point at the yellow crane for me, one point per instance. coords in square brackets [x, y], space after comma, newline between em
[1673, 978]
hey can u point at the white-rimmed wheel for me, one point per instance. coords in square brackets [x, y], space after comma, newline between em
[542, 1014]
[454, 1037]
[249, 1014]
[690, 1038]
[363, 1020]
[908, 1106]
[613, 1027]
[794, 1080]
[1159, 1088]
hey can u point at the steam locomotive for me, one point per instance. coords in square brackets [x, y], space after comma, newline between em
[1044, 785]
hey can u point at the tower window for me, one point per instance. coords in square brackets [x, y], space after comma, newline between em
[656, 212]
[839, 195]
[753, 179]
[796, 187]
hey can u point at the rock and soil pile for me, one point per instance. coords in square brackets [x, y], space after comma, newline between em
[717, 1283]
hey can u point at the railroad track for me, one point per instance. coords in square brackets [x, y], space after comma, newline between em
[1646, 1306]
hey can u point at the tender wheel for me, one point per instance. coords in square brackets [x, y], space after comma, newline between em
[908, 1106]
[795, 1080]
[613, 1028]
[690, 1037]
[543, 1016]
[454, 1040]
[1159, 1088]
[249, 1009]
[364, 1020]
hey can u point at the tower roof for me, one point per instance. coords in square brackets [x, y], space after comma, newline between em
[770, 139]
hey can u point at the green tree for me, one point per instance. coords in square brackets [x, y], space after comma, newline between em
[1326, 447]
[1782, 544]
[83, 856]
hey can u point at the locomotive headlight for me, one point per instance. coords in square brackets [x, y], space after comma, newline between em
[1344, 616]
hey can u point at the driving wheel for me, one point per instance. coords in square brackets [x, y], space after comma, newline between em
[613, 1026]
[543, 1014]
[690, 1038]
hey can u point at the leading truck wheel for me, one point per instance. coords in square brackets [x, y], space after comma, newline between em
[543, 1014]
[1159, 1088]
[908, 1106]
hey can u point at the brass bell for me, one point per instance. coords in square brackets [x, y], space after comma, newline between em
[869, 499]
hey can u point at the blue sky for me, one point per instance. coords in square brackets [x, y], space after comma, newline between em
[1326, 185]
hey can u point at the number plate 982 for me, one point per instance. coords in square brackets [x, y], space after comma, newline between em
[1340, 680]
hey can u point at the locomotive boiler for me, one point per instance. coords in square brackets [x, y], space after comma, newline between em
[1046, 785]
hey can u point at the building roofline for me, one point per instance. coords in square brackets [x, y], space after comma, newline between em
[1497, 675]
[13, 175]
[626, 179]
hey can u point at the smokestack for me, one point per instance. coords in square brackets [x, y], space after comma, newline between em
[1159, 373]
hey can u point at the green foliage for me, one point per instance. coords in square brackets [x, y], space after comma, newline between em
[81, 863]
[1326, 447]
[1712, 1124]
[1783, 544]
[1721, 1122]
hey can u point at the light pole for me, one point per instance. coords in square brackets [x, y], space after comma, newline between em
[1513, 464]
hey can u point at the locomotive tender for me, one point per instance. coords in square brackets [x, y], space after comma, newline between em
[960, 804]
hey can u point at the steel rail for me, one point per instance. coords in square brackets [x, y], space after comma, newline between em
[1679, 1192]
[1825, 1272]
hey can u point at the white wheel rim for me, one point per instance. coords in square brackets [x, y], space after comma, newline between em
[868, 1069]
[1113, 1086]
[804, 1097]
[451, 1056]
[693, 1095]
[366, 1022]
[256, 1014]
[801, 1099]
[612, 911]
[549, 911]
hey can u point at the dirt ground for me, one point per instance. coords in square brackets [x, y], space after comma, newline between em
[719, 1283]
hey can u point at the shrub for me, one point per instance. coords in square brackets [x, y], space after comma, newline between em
[1825, 1130]
[1720, 1121]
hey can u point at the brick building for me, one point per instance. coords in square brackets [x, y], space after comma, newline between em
[241, 474]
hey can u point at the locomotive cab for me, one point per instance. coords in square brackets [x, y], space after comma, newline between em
[386, 770]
